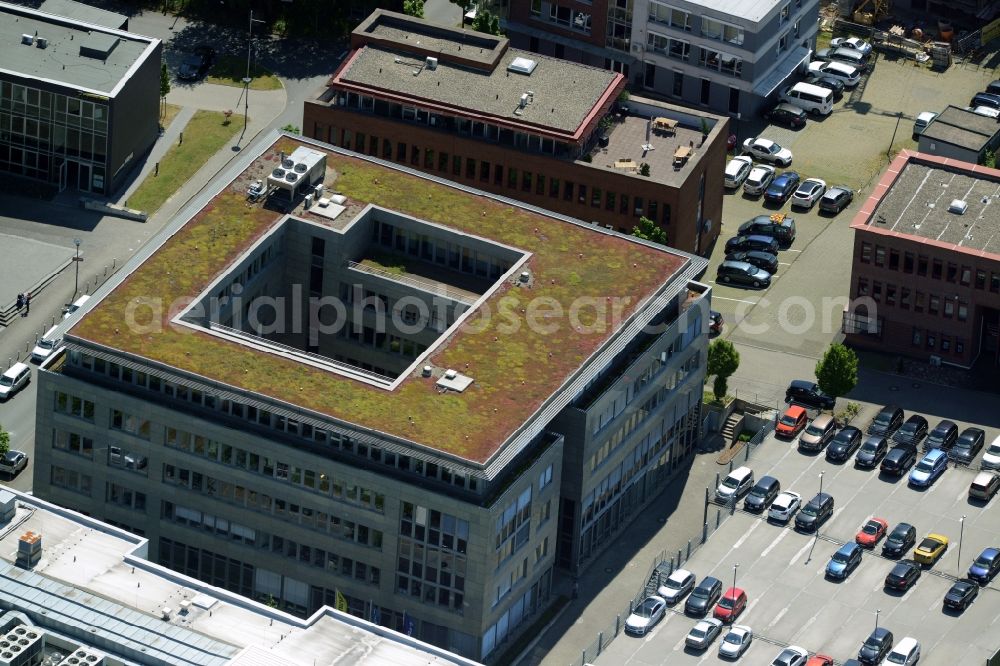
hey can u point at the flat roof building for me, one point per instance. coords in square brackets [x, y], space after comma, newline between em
[925, 278]
[79, 102]
[373, 388]
[961, 135]
[552, 133]
[81, 11]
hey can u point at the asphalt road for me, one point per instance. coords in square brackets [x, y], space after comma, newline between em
[17, 416]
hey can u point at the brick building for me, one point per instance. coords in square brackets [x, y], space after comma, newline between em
[925, 280]
[551, 133]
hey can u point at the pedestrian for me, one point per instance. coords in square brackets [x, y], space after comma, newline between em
[20, 302]
[27, 303]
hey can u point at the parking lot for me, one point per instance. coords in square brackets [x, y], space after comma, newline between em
[782, 570]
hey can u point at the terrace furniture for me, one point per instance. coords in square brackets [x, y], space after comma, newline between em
[665, 125]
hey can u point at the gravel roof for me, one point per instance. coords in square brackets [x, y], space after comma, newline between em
[564, 92]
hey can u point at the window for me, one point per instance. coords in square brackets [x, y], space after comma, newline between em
[554, 186]
[930, 341]
[933, 305]
[74, 406]
[130, 424]
[949, 307]
[866, 253]
[568, 191]
[936, 269]
[678, 84]
[862, 286]
[879, 255]
[945, 344]
[675, 18]
[784, 14]
[893, 260]
[904, 298]
[581, 194]
[994, 282]
[907, 262]
[963, 311]
[916, 336]
[674, 48]
[918, 305]
[545, 478]
[890, 294]
[595, 197]
[706, 90]
[536, 8]
[980, 279]
[877, 291]
[952, 272]
[714, 29]
[966, 278]
[922, 265]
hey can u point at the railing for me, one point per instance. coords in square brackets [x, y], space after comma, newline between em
[424, 285]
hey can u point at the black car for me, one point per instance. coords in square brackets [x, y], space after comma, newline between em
[899, 459]
[943, 436]
[787, 115]
[835, 85]
[911, 432]
[740, 272]
[872, 451]
[779, 227]
[752, 242]
[903, 576]
[813, 514]
[844, 444]
[985, 99]
[836, 199]
[782, 187]
[762, 260]
[962, 593]
[809, 394]
[968, 444]
[993, 87]
[196, 65]
[762, 494]
[902, 537]
[887, 421]
[715, 322]
[876, 647]
[703, 597]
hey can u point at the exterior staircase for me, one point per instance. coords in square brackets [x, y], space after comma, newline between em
[729, 427]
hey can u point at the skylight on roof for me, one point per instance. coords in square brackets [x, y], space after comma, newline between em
[522, 65]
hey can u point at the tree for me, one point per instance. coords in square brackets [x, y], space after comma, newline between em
[414, 8]
[486, 21]
[837, 371]
[164, 85]
[4, 441]
[649, 230]
[464, 5]
[723, 360]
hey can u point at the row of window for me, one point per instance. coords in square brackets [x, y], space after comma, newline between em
[718, 61]
[513, 528]
[458, 257]
[904, 297]
[405, 310]
[50, 106]
[938, 342]
[923, 266]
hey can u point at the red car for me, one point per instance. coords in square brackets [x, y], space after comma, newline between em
[872, 532]
[820, 660]
[730, 605]
[791, 422]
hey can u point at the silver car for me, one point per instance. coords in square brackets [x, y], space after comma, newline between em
[758, 179]
[645, 616]
[703, 633]
[676, 586]
[736, 642]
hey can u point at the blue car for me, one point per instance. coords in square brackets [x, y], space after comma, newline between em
[844, 560]
[782, 187]
[930, 467]
[986, 566]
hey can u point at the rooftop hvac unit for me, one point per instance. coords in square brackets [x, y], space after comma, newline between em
[524, 100]
[278, 173]
[300, 168]
[27, 39]
[42, 42]
[958, 207]
[83, 656]
[21, 645]
[288, 163]
[431, 62]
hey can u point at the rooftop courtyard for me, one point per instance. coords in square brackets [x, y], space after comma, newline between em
[628, 148]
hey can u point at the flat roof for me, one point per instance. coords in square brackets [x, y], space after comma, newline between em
[93, 585]
[748, 10]
[627, 141]
[914, 195]
[67, 57]
[81, 11]
[963, 128]
[516, 372]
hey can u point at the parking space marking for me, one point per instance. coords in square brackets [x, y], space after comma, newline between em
[742, 539]
[778, 617]
[770, 547]
[795, 558]
[723, 298]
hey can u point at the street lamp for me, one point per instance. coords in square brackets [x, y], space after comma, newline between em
[735, 567]
[961, 533]
[247, 79]
[76, 260]
[821, 481]
[877, 611]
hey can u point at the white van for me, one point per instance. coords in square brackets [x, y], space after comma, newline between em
[817, 101]
[77, 304]
[48, 344]
[736, 485]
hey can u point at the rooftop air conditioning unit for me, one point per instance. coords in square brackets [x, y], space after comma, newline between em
[288, 163]
[278, 173]
[42, 42]
[431, 62]
[524, 100]
[958, 207]
[27, 39]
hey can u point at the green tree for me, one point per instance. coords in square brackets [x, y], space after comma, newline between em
[649, 230]
[464, 5]
[414, 8]
[488, 22]
[837, 371]
[4, 441]
[291, 129]
[723, 360]
[164, 86]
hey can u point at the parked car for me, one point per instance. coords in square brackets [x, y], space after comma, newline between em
[788, 115]
[987, 111]
[791, 422]
[782, 187]
[872, 451]
[809, 394]
[740, 272]
[820, 660]
[703, 633]
[943, 436]
[899, 459]
[736, 484]
[732, 603]
[784, 506]
[762, 494]
[930, 467]
[809, 192]
[844, 444]
[762, 260]
[836, 199]
[961, 594]
[768, 151]
[758, 180]
[13, 462]
[844, 561]
[715, 322]
[968, 445]
[902, 537]
[47, 344]
[986, 99]
[904, 653]
[737, 171]
[855, 43]
[14, 379]
[876, 646]
[924, 118]
[676, 586]
[779, 226]
[793, 655]
[984, 486]
[845, 55]
[703, 597]
[912, 431]
[834, 85]
[736, 642]
[849, 74]
[887, 421]
[645, 616]
[197, 64]
[871, 532]
[993, 87]
[986, 566]
[991, 458]
[818, 433]
[757, 242]
[930, 549]
[815, 513]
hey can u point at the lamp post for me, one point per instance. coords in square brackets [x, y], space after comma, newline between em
[961, 533]
[735, 567]
[821, 482]
[877, 611]
[247, 79]
[76, 260]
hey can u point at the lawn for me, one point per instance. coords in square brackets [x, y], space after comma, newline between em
[204, 135]
[229, 70]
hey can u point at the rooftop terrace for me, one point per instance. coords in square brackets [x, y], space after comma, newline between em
[518, 360]
[627, 144]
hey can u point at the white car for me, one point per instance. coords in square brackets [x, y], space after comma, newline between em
[677, 585]
[792, 655]
[758, 180]
[849, 74]
[645, 616]
[736, 642]
[784, 506]
[855, 43]
[924, 119]
[703, 633]
[768, 151]
[991, 457]
[737, 171]
[809, 192]
[904, 653]
[987, 111]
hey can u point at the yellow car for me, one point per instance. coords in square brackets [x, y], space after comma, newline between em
[931, 549]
